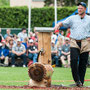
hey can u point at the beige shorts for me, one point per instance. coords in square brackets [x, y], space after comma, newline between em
[85, 45]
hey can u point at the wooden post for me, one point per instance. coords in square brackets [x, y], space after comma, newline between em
[44, 42]
[41, 72]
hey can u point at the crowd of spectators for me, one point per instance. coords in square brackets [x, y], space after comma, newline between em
[25, 46]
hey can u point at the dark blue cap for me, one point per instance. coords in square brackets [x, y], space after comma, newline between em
[82, 3]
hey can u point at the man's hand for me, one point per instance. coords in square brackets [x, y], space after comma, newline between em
[19, 54]
[57, 26]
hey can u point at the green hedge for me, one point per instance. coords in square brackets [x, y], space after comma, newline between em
[17, 17]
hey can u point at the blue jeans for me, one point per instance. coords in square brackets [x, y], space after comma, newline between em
[55, 58]
[14, 56]
[33, 56]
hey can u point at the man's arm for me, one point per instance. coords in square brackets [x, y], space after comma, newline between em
[58, 26]
[35, 51]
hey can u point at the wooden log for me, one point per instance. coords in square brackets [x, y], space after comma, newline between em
[38, 72]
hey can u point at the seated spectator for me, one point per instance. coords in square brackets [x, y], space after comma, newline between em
[18, 50]
[57, 33]
[53, 36]
[7, 40]
[10, 46]
[54, 52]
[31, 36]
[66, 53]
[8, 33]
[22, 35]
[15, 37]
[32, 51]
[59, 45]
[68, 33]
[4, 52]
[25, 42]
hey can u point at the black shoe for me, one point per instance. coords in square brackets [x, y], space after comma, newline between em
[79, 84]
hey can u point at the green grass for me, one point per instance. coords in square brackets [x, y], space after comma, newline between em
[10, 76]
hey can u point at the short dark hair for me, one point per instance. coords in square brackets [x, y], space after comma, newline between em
[23, 29]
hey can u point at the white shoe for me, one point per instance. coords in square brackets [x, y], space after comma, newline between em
[24, 66]
[13, 65]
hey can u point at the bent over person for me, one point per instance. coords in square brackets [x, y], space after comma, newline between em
[80, 42]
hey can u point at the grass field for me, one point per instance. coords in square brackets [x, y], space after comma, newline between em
[18, 76]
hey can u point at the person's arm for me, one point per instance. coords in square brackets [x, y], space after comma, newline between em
[35, 51]
[66, 23]
[58, 26]
[88, 36]
[63, 52]
[54, 52]
[24, 50]
[13, 50]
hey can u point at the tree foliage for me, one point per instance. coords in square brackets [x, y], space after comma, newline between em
[17, 17]
[4, 2]
[64, 2]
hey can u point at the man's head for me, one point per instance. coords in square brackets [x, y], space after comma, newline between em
[53, 43]
[8, 31]
[19, 41]
[24, 30]
[67, 40]
[31, 42]
[81, 8]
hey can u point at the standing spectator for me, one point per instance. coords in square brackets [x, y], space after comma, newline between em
[8, 33]
[54, 53]
[18, 50]
[80, 42]
[66, 53]
[4, 52]
[22, 35]
[32, 51]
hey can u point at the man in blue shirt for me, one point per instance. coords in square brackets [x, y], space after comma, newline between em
[4, 52]
[80, 42]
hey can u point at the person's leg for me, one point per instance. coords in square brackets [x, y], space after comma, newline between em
[74, 54]
[13, 59]
[56, 60]
[63, 60]
[30, 55]
[6, 62]
[34, 57]
[82, 65]
[23, 56]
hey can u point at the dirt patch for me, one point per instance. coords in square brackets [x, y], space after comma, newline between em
[53, 87]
